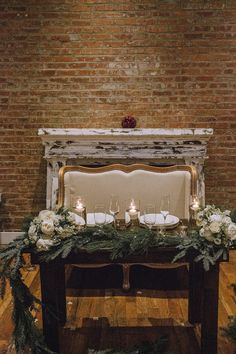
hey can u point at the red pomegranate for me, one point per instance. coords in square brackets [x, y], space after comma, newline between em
[128, 122]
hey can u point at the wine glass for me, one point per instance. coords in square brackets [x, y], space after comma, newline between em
[100, 216]
[165, 206]
[149, 216]
[114, 207]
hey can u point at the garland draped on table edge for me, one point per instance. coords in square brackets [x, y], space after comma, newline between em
[26, 334]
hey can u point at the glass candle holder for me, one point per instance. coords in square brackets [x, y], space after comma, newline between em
[133, 212]
[80, 208]
[194, 208]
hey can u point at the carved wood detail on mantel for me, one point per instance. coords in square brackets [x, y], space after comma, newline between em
[104, 146]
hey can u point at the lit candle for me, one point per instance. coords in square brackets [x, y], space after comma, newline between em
[79, 206]
[132, 208]
[195, 204]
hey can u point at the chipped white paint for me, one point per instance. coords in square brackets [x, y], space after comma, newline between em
[104, 146]
[204, 133]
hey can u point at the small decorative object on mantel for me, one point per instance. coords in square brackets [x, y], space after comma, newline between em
[129, 122]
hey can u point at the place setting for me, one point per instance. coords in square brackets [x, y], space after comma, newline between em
[123, 214]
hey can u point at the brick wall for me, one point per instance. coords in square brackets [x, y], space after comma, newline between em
[87, 63]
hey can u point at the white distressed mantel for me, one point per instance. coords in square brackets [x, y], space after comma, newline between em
[104, 146]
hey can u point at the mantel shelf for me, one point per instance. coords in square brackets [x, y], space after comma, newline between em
[63, 134]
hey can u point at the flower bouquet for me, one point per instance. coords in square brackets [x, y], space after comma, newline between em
[216, 226]
[50, 227]
[212, 238]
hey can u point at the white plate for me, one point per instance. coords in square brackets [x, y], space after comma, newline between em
[171, 221]
[91, 220]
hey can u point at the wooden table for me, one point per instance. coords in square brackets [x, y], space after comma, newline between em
[203, 292]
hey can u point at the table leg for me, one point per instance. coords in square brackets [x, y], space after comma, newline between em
[195, 292]
[54, 301]
[126, 271]
[209, 326]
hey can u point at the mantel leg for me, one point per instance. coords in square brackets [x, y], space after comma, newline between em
[54, 302]
[209, 327]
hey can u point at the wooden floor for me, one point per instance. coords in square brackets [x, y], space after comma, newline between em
[107, 318]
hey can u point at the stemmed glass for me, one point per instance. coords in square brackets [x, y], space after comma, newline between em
[165, 206]
[100, 218]
[114, 207]
[150, 216]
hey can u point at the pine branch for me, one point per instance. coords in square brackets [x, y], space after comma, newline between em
[26, 334]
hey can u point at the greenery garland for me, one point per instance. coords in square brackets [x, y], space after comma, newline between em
[119, 244]
[208, 252]
[26, 334]
[67, 238]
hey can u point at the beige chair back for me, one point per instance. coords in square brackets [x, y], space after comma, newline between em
[143, 183]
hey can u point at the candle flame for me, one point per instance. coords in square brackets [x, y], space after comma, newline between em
[195, 204]
[79, 205]
[132, 205]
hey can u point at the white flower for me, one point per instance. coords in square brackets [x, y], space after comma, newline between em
[217, 241]
[201, 223]
[200, 215]
[34, 239]
[215, 217]
[214, 227]
[206, 232]
[231, 231]
[226, 220]
[47, 227]
[59, 230]
[227, 212]
[37, 221]
[32, 230]
[46, 214]
[43, 245]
